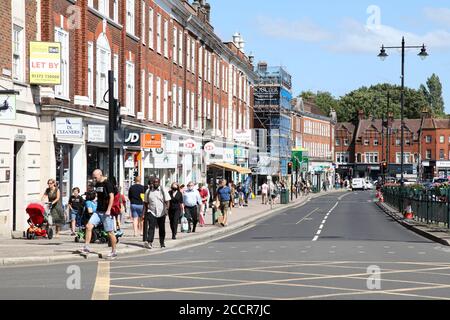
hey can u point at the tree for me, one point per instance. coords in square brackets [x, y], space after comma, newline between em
[433, 95]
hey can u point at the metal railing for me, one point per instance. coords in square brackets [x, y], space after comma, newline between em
[429, 206]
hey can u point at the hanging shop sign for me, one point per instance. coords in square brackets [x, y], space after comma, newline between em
[7, 107]
[243, 136]
[190, 145]
[210, 148]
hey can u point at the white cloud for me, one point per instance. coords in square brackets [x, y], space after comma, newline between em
[358, 38]
[438, 15]
[300, 30]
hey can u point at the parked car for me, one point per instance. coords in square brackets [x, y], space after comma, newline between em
[358, 184]
[369, 185]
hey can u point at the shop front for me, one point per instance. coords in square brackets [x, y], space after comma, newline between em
[443, 169]
[97, 153]
[69, 150]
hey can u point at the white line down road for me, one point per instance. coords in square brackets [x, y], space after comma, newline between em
[324, 222]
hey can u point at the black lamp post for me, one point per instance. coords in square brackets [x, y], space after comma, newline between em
[383, 55]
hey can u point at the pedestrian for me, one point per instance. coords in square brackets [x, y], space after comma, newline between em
[192, 201]
[204, 194]
[232, 187]
[176, 207]
[53, 196]
[156, 207]
[265, 193]
[224, 197]
[247, 189]
[76, 204]
[105, 199]
[136, 196]
[122, 203]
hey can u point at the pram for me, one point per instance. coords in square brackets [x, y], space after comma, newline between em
[98, 233]
[40, 225]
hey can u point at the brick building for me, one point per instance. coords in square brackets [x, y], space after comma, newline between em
[172, 75]
[375, 142]
[435, 148]
[20, 150]
[317, 132]
[345, 149]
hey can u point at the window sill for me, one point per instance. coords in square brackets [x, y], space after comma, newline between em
[21, 84]
[62, 98]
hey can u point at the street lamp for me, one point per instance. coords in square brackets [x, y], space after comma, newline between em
[383, 56]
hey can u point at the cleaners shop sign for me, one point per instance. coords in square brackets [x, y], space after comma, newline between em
[69, 127]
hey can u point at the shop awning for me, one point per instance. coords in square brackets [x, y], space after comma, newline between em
[231, 167]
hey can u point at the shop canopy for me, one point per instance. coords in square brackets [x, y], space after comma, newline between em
[230, 167]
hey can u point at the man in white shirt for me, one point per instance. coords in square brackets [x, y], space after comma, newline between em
[265, 192]
[156, 206]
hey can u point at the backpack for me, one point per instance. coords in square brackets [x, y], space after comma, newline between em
[116, 208]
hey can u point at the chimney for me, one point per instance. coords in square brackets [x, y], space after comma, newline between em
[241, 45]
[390, 119]
[361, 115]
[426, 114]
[196, 5]
[262, 67]
[237, 39]
[208, 12]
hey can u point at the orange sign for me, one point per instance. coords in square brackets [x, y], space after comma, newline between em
[151, 141]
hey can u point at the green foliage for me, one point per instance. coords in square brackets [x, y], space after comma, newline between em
[374, 101]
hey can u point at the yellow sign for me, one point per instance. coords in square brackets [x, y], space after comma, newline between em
[45, 63]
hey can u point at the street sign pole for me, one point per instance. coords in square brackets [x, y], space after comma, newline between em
[112, 112]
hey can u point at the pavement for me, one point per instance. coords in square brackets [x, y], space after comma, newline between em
[433, 232]
[41, 251]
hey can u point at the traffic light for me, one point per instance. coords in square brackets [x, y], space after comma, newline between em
[290, 167]
[117, 117]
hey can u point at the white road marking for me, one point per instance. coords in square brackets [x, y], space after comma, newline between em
[310, 214]
[391, 252]
[332, 252]
[323, 223]
[362, 252]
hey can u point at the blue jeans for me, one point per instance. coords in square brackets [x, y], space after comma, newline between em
[101, 217]
[137, 210]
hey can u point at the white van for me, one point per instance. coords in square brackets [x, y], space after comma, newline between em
[359, 184]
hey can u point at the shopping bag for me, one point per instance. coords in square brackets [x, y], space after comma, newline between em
[184, 224]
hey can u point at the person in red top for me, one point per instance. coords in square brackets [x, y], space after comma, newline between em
[204, 194]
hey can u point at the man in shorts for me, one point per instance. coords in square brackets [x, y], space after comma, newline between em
[105, 200]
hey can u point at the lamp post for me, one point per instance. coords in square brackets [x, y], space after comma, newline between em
[383, 55]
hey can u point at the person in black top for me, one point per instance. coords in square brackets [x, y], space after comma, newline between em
[136, 195]
[175, 208]
[76, 204]
[105, 200]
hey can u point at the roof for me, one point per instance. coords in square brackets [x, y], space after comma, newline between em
[436, 124]
[346, 125]
[312, 108]
[413, 125]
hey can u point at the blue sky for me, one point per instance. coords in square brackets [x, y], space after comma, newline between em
[333, 45]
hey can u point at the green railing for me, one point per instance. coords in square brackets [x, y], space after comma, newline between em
[428, 206]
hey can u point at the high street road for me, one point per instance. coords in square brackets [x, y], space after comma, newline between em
[339, 246]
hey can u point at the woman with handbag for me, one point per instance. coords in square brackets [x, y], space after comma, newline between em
[53, 196]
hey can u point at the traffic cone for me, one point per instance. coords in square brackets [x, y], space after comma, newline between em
[409, 215]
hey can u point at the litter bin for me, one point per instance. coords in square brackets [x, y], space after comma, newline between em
[285, 197]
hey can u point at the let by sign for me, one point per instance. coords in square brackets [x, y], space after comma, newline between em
[45, 63]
